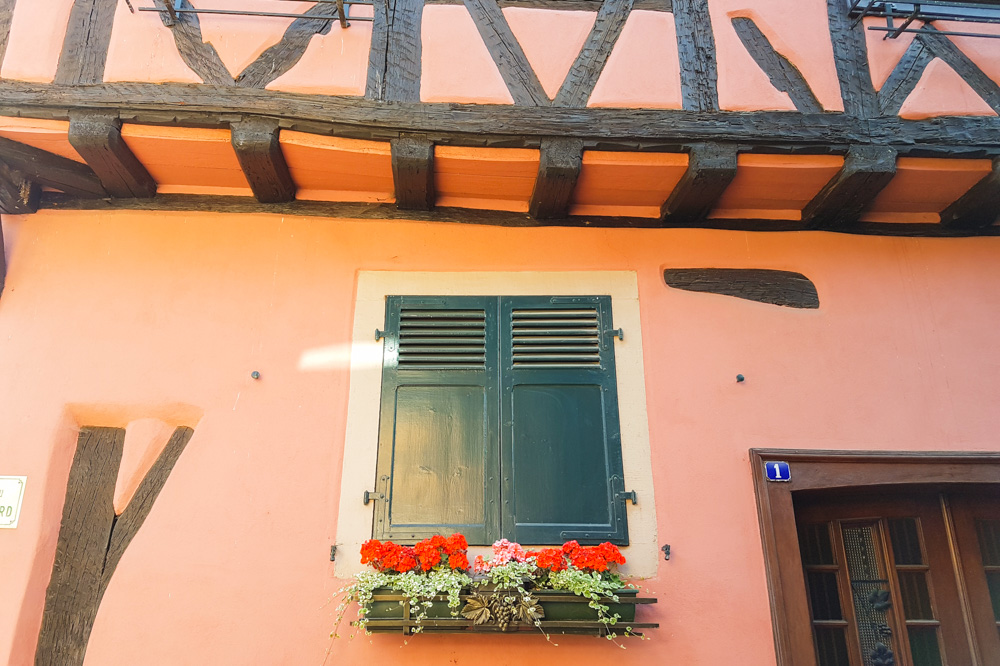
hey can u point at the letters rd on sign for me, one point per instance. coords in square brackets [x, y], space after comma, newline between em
[11, 494]
[777, 471]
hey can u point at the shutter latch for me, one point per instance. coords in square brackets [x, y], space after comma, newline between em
[630, 495]
[371, 497]
[618, 333]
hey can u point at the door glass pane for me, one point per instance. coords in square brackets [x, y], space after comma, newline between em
[814, 542]
[831, 646]
[870, 589]
[916, 596]
[824, 595]
[924, 646]
[905, 537]
[989, 541]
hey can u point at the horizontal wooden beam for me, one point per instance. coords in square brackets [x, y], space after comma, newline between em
[369, 211]
[468, 124]
[866, 170]
[413, 173]
[51, 170]
[711, 167]
[255, 140]
[558, 170]
[98, 138]
[18, 195]
[979, 207]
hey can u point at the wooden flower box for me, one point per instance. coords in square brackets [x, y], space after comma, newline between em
[565, 613]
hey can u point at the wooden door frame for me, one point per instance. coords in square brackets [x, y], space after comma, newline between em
[822, 470]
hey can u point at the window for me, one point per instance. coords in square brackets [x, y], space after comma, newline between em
[499, 418]
[877, 559]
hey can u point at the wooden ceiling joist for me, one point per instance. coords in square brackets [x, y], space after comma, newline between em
[18, 195]
[255, 140]
[979, 207]
[866, 171]
[558, 170]
[52, 170]
[98, 139]
[413, 173]
[711, 167]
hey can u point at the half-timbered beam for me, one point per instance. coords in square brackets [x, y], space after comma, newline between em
[85, 47]
[851, 59]
[98, 139]
[18, 195]
[558, 170]
[979, 207]
[255, 140]
[711, 167]
[6, 15]
[51, 170]
[506, 51]
[413, 173]
[589, 64]
[696, 50]
[866, 170]
[394, 61]
[783, 74]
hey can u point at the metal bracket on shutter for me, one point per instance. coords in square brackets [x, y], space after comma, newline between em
[371, 497]
[379, 335]
[629, 495]
[617, 332]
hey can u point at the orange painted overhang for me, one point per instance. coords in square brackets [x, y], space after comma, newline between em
[626, 184]
[775, 187]
[491, 178]
[923, 187]
[48, 135]
[328, 168]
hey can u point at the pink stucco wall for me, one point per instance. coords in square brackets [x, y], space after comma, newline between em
[111, 317]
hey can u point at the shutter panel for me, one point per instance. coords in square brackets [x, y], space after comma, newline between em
[438, 439]
[560, 442]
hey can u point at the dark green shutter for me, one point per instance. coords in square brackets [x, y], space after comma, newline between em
[437, 457]
[561, 459]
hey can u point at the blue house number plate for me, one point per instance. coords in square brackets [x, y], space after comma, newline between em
[777, 471]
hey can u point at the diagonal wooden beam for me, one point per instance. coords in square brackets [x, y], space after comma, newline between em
[52, 170]
[866, 170]
[711, 167]
[6, 15]
[587, 68]
[18, 195]
[413, 173]
[558, 171]
[517, 73]
[979, 207]
[281, 57]
[904, 77]
[696, 50]
[98, 139]
[942, 47]
[196, 53]
[255, 140]
[85, 47]
[783, 74]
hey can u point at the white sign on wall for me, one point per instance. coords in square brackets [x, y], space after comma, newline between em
[11, 494]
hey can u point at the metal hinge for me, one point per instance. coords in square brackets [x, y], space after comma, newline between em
[628, 495]
[371, 497]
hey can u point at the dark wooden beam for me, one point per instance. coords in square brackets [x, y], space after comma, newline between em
[6, 14]
[255, 140]
[711, 167]
[394, 61]
[51, 170]
[783, 74]
[568, 5]
[98, 139]
[785, 288]
[866, 170]
[18, 195]
[85, 47]
[942, 47]
[850, 55]
[904, 77]
[281, 57]
[506, 51]
[586, 69]
[413, 173]
[92, 538]
[696, 50]
[210, 106]
[979, 207]
[196, 53]
[558, 170]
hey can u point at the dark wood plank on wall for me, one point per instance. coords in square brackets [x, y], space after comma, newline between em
[51, 170]
[558, 170]
[255, 141]
[696, 50]
[785, 288]
[979, 207]
[85, 47]
[711, 167]
[394, 61]
[586, 69]
[783, 74]
[413, 173]
[866, 171]
[92, 538]
[88, 517]
[281, 57]
[98, 139]
[18, 194]
[517, 73]
[850, 54]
